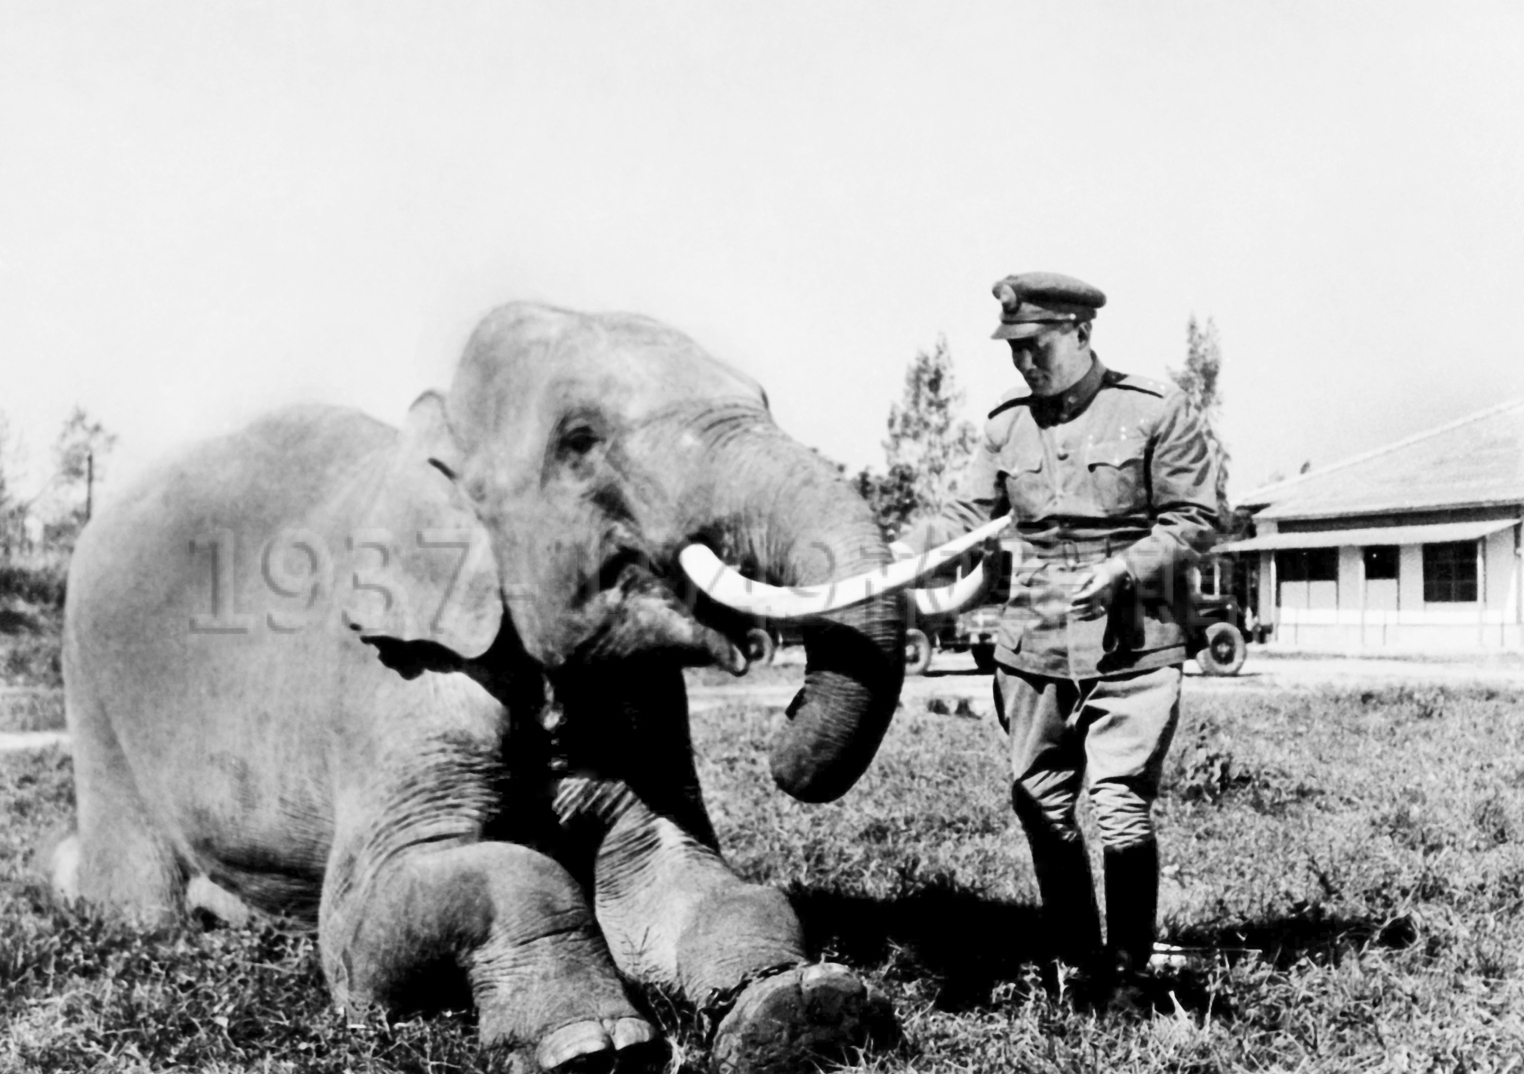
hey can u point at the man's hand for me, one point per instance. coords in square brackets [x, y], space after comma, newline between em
[1098, 589]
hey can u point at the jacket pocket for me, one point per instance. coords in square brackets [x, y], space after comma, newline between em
[1116, 475]
[1029, 489]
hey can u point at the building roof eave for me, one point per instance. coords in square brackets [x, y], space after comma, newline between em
[1366, 536]
[1389, 508]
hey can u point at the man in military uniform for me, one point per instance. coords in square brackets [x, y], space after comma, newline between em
[1111, 484]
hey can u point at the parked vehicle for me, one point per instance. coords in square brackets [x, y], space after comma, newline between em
[924, 635]
[973, 630]
[1217, 637]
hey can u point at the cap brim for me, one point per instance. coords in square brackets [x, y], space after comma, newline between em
[1020, 330]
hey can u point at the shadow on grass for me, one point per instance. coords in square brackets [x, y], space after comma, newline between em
[968, 944]
[1308, 932]
[966, 941]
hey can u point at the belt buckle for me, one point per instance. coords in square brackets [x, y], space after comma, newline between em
[1071, 555]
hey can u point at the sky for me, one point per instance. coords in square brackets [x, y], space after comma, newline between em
[211, 209]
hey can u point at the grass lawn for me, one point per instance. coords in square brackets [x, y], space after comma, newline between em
[1355, 859]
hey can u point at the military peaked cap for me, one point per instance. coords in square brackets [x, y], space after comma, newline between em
[1030, 300]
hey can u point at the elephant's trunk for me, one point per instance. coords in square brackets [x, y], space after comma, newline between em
[802, 525]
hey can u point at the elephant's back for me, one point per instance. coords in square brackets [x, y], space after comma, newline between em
[197, 643]
[283, 459]
[164, 545]
[271, 473]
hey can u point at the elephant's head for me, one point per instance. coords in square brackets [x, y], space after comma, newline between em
[588, 451]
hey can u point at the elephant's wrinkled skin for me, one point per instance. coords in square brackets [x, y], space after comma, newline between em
[286, 692]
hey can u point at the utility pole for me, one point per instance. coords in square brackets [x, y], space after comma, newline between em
[89, 481]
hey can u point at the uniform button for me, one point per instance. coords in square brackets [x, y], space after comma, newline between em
[1062, 454]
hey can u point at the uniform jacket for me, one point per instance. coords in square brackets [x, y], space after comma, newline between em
[1116, 466]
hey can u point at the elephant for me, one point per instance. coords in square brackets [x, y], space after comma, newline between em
[423, 689]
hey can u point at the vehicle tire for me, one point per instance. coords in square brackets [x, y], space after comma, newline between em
[1224, 651]
[984, 657]
[759, 646]
[917, 652]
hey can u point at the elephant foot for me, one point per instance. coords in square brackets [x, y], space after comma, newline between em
[606, 1046]
[799, 1019]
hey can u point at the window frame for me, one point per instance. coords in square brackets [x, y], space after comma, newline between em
[1450, 572]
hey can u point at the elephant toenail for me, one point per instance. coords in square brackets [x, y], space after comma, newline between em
[572, 1042]
[830, 992]
[628, 1032]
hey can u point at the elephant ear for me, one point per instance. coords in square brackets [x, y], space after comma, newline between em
[424, 569]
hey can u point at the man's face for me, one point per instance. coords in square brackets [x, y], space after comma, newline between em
[1053, 358]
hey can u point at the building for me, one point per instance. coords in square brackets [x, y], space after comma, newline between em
[1414, 546]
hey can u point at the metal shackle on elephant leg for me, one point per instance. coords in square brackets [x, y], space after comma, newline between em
[727, 586]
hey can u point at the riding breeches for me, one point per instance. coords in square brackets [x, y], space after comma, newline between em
[1110, 735]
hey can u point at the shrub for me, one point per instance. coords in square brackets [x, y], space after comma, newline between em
[41, 585]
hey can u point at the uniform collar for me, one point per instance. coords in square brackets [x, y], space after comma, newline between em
[1069, 403]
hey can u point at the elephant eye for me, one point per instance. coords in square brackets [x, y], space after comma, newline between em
[580, 439]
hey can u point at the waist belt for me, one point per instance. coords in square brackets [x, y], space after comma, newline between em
[1075, 553]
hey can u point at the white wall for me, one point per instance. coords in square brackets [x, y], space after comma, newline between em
[1354, 614]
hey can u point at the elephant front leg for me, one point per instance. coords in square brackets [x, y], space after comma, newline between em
[674, 913]
[517, 924]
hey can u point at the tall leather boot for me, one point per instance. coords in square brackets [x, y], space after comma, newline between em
[1132, 904]
[1070, 917]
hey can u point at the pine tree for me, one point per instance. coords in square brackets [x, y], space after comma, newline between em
[1203, 364]
[927, 446]
[925, 433]
[1198, 380]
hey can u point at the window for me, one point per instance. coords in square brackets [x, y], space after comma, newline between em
[1308, 579]
[1209, 570]
[1308, 565]
[1449, 572]
[1380, 562]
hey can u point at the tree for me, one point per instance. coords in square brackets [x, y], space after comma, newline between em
[1198, 380]
[79, 454]
[10, 509]
[1203, 364]
[928, 445]
[891, 496]
[5, 460]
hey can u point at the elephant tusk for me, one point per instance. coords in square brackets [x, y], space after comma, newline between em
[727, 586]
[948, 599]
